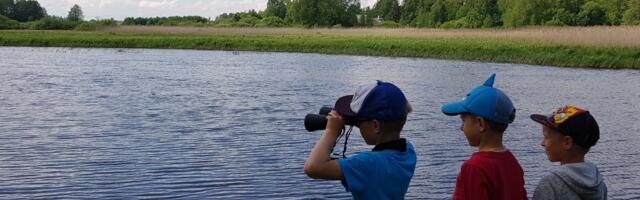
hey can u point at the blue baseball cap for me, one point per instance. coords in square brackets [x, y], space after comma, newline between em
[485, 101]
[382, 101]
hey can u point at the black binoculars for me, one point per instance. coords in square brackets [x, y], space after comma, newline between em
[314, 122]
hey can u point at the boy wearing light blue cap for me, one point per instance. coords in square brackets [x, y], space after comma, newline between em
[492, 172]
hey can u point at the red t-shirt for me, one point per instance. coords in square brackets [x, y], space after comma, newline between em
[491, 175]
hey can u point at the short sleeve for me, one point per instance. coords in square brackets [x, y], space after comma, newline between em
[355, 170]
[471, 184]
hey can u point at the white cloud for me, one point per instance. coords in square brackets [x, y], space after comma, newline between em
[154, 4]
[365, 3]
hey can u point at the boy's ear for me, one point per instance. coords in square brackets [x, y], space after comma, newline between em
[481, 123]
[567, 142]
[376, 126]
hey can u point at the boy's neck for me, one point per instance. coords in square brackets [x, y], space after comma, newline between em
[491, 142]
[387, 137]
[572, 157]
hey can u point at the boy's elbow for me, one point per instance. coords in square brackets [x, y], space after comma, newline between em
[310, 170]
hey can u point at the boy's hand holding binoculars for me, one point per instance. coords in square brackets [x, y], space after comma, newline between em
[335, 123]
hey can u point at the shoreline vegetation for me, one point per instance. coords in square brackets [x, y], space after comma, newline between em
[573, 33]
[605, 47]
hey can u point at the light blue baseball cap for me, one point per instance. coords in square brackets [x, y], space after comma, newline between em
[485, 101]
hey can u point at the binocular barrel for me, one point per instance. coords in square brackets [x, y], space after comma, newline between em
[314, 122]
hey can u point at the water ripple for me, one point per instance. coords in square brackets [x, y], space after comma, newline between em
[176, 124]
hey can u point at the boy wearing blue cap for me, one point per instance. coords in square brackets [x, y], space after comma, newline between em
[492, 172]
[380, 112]
[569, 133]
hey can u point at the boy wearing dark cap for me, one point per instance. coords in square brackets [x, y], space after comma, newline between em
[380, 111]
[569, 133]
[492, 172]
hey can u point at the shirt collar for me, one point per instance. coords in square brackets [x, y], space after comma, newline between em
[398, 145]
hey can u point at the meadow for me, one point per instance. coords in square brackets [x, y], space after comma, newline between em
[592, 47]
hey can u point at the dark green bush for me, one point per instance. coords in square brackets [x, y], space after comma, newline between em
[632, 16]
[252, 21]
[6, 23]
[271, 22]
[105, 22]
[459, 23]
[86, 26]
[54, 23]
[388, 24]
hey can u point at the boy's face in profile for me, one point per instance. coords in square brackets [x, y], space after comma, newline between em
[471, 129]
[554, 144]
[368, 131]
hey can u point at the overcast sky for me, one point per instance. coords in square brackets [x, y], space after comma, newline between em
[119, 9]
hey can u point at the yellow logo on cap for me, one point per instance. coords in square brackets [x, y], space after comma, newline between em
[562, 114]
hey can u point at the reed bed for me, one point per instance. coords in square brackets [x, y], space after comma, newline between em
[599, 36]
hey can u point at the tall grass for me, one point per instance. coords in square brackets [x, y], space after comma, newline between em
[480, 48]
[600, 36]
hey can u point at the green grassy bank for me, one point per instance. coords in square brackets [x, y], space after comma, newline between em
[468, 48]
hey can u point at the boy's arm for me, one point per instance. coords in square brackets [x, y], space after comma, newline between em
[319, 165]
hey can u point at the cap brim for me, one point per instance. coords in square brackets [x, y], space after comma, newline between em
[343, 106]
[542, 120]
[456, 108]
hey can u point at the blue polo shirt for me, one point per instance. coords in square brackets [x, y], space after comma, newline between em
[383, 173]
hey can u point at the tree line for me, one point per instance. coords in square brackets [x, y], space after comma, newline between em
[30, 10]
[445, 13]
[28, 14]
[349, 13]
[308, 13]
[165, 21]
[509, 13]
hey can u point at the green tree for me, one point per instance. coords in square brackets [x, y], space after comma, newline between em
[293, 11]
[571, 6]
[6, 23]
[438, 14]
[350, 16]
[6, 8]
[452, 7]
[75, 14]
[324, 12]
[366, 18]
[311, 13]
[481, 13]
[540, 11]
[388, 9]
[28, 10]
[632, 15]
[271, 21]
[614, 10]
[276, 8]
[515, 13]
[592, 14]
[408, 11]
[432, 13]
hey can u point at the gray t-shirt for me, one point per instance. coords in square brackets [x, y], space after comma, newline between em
[580, 181]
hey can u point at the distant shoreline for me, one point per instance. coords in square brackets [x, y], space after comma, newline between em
[589, 47]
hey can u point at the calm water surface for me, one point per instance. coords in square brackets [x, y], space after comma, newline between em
[148, 124]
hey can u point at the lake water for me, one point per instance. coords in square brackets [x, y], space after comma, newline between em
[148, 124]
